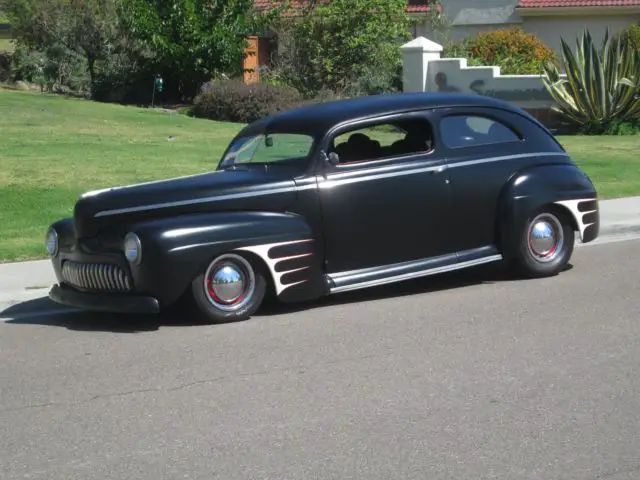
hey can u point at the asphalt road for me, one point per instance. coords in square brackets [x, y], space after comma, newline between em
[468, 376]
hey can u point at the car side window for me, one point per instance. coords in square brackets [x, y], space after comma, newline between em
[384, 140]
[460, 131]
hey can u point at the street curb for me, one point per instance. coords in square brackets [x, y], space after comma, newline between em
[16, 296]
[619, 229]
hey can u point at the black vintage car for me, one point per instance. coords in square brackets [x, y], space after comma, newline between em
[328, 198]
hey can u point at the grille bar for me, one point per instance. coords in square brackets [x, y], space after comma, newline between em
[96, 276]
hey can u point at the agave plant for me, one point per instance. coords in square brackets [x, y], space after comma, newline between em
[602, 86]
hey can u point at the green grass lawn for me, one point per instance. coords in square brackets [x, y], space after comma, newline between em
[612, 162]
[54, 148]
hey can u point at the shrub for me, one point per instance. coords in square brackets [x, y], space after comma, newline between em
[56, 69]
[513, 50]
[631, 127]
[126, 78]
[461, 50]
[375, 81]
[234, 101]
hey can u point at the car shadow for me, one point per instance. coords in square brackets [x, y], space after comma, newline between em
[43, 311]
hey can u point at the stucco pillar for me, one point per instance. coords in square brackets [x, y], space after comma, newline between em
[416, 56]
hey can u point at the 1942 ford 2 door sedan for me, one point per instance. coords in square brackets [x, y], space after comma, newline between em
[328, 198]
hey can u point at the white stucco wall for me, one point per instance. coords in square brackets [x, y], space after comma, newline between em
[424, 70]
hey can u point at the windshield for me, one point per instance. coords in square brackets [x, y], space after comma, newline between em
[268, 148]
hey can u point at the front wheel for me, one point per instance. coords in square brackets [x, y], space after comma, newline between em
[546, 244]
[230, 289]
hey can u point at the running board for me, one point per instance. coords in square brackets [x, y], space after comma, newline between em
[372, 277]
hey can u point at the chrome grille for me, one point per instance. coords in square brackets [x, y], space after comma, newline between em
[96, 276]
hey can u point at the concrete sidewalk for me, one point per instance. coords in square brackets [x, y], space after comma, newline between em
[617, 216]
[23, 280]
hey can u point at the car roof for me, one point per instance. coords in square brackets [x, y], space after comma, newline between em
[316, 119]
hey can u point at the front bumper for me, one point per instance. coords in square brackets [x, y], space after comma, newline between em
[103, 302]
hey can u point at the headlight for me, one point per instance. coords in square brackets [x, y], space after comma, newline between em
[52, 241]
[132, 248]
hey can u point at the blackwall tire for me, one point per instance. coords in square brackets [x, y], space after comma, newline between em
[230, 289]
[546, 244]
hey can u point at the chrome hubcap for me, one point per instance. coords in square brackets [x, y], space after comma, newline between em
[545, 237]
[229, 282]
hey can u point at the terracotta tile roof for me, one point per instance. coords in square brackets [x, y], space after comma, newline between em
[414, 6]
[577, 3]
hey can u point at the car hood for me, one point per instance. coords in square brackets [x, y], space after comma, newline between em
[224, 190]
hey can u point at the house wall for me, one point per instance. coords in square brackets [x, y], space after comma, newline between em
[551, 29]
[470, 17]
[465, 13]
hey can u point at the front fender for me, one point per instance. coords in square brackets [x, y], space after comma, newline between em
[176, 250]
[566, 187]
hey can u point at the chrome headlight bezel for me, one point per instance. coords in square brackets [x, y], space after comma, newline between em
[132, 247]
[52, 242]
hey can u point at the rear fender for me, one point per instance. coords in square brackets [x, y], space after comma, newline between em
[565, 187]
[176, 250]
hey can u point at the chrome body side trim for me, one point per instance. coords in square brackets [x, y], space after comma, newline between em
[409, 270]
[194, 201]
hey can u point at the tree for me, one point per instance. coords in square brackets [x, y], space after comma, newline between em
[337, 45]
[193, 40]
[4, 5]
[88, 28]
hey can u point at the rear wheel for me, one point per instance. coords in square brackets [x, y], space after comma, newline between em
[546, 244]
[230, 289]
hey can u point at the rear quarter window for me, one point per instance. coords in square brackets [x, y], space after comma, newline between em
[459, 131]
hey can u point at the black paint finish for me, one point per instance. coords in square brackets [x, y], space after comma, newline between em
[369, 213]
[316, 227]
